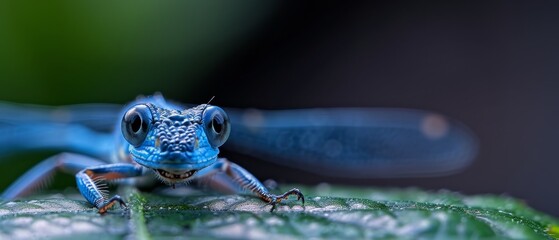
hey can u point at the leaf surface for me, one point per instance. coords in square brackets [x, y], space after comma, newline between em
[329, 212]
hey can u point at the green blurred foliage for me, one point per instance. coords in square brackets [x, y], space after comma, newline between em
[60, 52]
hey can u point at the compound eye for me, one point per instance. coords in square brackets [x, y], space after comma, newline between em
[135, 124]
[216, 125]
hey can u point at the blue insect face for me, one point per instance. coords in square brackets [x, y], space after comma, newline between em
[175, 144]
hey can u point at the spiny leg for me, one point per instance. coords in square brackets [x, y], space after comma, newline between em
[243, 179]
[41, 173]
[91, 185]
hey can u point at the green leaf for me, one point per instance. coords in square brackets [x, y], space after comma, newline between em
[329, 212]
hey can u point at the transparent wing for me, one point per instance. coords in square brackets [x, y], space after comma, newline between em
[345, 142]
[355, 142]
[83, 128]
[96, 116]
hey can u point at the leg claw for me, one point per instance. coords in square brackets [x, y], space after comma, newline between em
[275, 199]
[109, 203]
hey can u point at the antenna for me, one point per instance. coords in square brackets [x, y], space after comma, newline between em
[210, 100]
[206, 106]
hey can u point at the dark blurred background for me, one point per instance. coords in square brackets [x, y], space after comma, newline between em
[491, 65]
